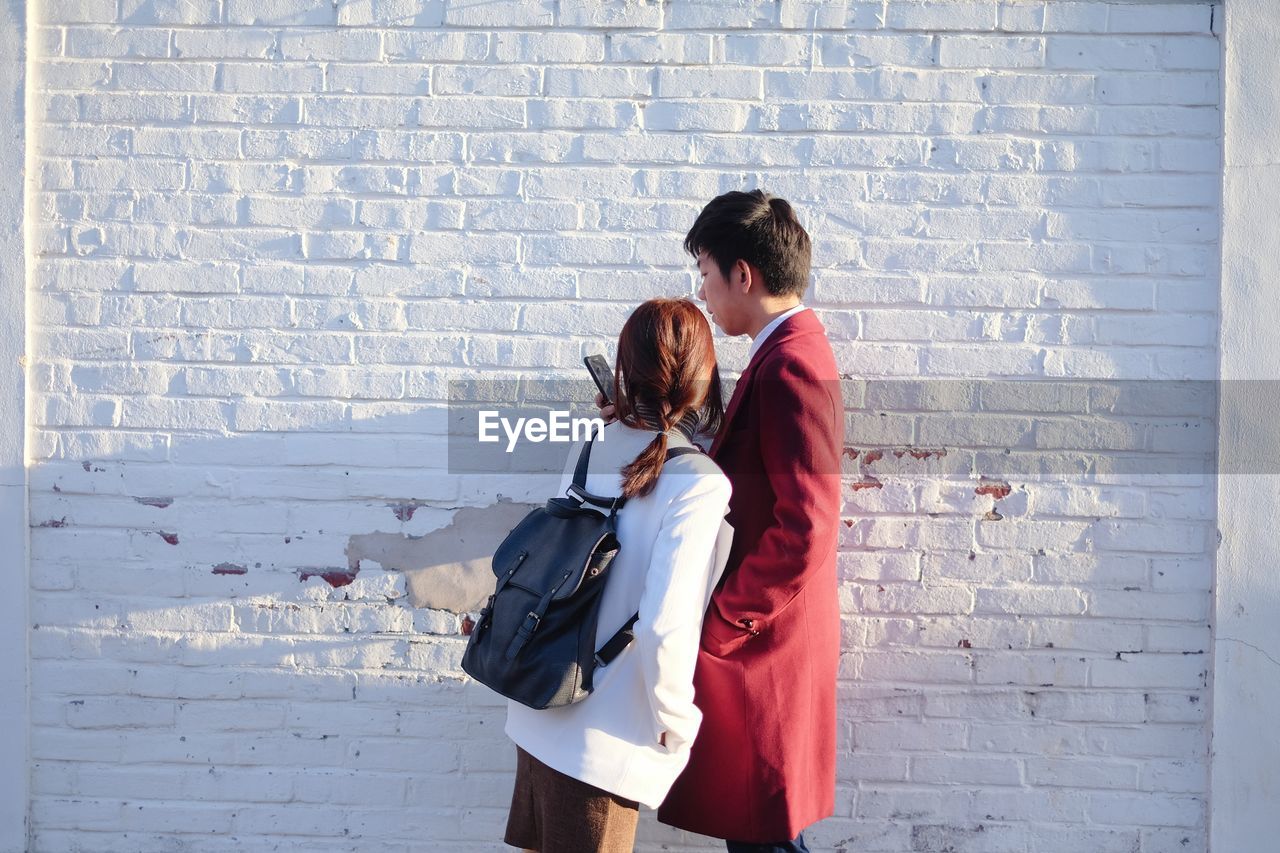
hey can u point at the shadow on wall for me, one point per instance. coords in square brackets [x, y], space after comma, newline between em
[289, 608]
[260, 634]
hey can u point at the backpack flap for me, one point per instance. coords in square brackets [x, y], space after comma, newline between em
[557, 547]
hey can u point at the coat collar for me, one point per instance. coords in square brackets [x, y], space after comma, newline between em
[802, 323]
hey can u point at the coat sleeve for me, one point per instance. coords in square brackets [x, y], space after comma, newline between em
[676, 587]
[801, 426]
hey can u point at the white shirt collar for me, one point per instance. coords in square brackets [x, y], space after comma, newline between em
[768, 330]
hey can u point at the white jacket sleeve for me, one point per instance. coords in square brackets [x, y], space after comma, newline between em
[676, 588]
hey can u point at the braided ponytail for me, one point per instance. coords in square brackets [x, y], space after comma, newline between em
[639, 477]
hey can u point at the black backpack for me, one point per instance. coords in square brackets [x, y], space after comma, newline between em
[535, 640]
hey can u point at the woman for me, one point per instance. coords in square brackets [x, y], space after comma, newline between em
[583, 770]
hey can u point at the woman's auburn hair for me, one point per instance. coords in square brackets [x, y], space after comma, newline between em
[666, 374]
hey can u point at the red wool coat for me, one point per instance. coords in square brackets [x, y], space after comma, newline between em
[764, 762]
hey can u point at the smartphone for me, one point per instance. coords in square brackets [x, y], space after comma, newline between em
[602, 374]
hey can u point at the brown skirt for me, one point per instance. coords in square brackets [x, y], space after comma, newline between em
[555, 813]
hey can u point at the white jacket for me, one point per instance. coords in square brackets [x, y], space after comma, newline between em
[674, 545]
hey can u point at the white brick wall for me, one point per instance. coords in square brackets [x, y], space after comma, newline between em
[269, 232]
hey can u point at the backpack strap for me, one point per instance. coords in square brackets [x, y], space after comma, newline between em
[617, 642]
[578, 487]
[534, 618]
[626, 633]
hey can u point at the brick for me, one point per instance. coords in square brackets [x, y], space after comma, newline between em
[163, 12]
[992, 52]
[1191, 53]
[219, 44]
[497, 82]
[77, 12]
[821, 14]
[598, 82]
[1082, 772]
[390, 13]
[729, 15]
[573, 113]
[875, 50]
[483, 13]
[1159, 18]
[695, 115]
[271, 77]
[969, 769]
[755, 50]
[1147, 809]
[660, 48]
[234, 109]
[424, 47]
[941, 15]
[286, 12]
[481, 113]
[567, 48]
[817, 85]
[620, 14]
[1075, 17]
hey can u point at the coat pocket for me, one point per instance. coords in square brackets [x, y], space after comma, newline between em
[721, 637]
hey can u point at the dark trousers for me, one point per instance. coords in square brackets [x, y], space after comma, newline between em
[796, 846]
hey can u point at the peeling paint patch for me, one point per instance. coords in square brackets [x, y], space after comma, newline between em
[404, 510]
[334, 577]
[995, 488]
[943, 837]
[229, 569]
[446, 569]
[90, 467]
[872, 456]
[171, 538]
[867, 482]
[468, 625]
[993, 515]
[158, 503]
[54, 522]
[851, 453]
[921, 452]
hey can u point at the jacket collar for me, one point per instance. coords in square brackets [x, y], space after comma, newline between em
[802, 323]
[797, 324]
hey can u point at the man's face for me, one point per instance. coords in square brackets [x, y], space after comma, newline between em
[724, 302]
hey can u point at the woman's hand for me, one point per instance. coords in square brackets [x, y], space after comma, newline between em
[607, 411]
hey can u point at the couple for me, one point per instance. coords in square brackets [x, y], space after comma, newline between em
[721, 713]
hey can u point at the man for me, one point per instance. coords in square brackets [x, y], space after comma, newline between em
[763, 764]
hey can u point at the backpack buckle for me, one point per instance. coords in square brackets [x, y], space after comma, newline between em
[530, 624]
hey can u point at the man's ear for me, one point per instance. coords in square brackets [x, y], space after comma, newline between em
[743, 275]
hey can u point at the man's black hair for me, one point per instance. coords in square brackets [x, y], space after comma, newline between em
[760, 229]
